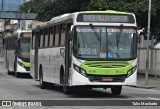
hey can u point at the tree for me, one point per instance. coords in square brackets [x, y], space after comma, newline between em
[47, 9]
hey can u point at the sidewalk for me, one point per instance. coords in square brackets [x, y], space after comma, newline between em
[153, 83]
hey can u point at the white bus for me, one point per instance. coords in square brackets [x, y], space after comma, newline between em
[17, 52]
[90, 49]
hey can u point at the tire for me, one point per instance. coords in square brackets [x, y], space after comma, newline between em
[15, 67]
[43, 85]
[66, 89]
[17, 74]
[116, 90]
[9, 73]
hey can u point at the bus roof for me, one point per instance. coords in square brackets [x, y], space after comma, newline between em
[70, 16]
[107, 12]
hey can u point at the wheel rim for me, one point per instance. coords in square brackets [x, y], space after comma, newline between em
[40, 80]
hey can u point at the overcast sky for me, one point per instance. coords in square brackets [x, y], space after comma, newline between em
[10, 4]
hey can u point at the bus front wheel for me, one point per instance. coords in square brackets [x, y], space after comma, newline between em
[116, 90]
[66, 89]
[9, 73]
[17, 74]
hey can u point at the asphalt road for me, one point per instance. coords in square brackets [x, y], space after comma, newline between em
[24, 88]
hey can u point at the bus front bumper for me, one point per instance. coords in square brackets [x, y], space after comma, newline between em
[79, 80]
[21, 69]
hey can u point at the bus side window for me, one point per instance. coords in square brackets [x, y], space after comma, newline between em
[9, 44]
[54, 32]
[43, 34]
[6, 43]
[33, 40]
[51, 36]
[46, 37]
[62, 32]
[14, 42]
[57, 35]
[41, 39]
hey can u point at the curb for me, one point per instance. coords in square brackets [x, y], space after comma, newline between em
[145, 86]
[149, 75]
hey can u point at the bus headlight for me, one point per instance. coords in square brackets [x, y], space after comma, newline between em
[21, 64]
[79, 70]
[131, 71]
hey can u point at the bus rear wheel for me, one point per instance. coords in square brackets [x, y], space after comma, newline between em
[42, 83]
[116, 90]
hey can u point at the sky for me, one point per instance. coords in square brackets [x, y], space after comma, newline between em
[10, 5]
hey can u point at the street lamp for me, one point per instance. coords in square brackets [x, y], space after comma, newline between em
[147, 52]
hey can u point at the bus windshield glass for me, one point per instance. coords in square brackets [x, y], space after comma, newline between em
[95, 42]
[24, 48]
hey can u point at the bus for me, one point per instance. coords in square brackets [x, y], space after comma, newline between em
[89, 49]
[17, 52]
[1, 47]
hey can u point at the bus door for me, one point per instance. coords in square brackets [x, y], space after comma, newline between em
[36, 56]
[67, 54]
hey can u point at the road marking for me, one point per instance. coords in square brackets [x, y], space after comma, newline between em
[153, 98]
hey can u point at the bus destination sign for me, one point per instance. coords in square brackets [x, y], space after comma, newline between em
[106, 18]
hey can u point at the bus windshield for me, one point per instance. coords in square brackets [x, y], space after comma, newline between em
[24, 48]
[104, 42]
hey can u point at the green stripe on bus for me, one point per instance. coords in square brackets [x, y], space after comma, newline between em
[26, 64]
[106, 67]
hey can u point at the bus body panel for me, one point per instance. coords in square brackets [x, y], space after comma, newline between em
[51, 61]
[11, 60]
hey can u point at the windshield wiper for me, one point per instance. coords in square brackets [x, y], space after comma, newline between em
[118, 36]
[91, 25]
[117, 42]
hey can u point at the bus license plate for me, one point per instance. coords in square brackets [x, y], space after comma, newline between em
[107, 79]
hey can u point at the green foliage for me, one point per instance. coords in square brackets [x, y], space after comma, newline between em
[47, 9]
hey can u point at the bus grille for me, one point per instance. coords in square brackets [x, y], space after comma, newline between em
[106, 64]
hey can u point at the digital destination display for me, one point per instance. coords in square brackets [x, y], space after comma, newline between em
[106, 18]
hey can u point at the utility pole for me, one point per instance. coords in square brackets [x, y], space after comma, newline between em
[148, 35]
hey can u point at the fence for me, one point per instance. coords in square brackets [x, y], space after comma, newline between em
[154, 61]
